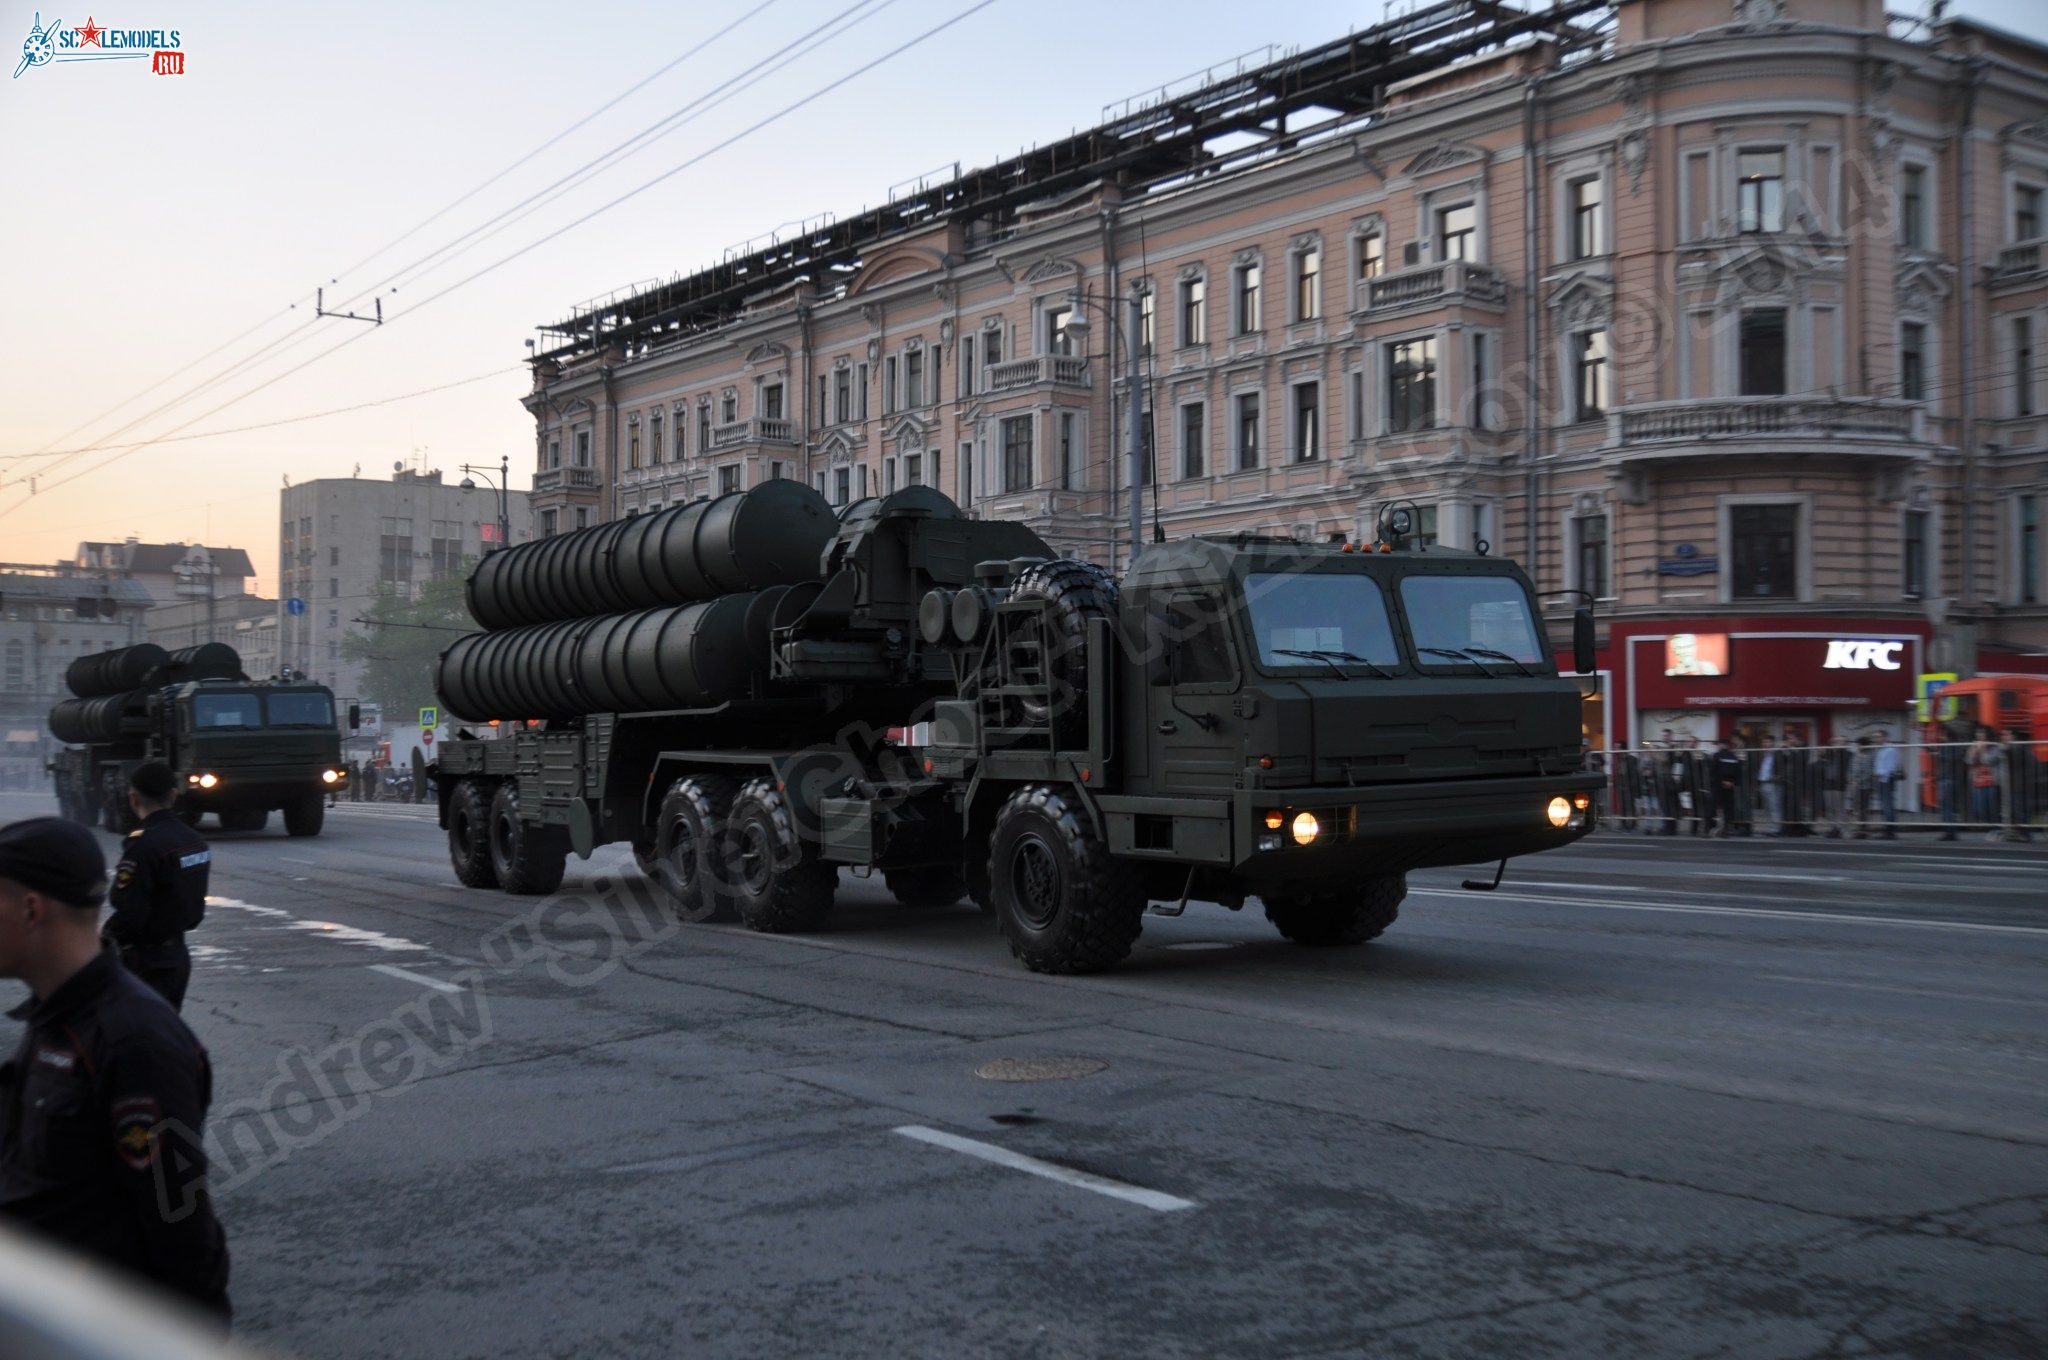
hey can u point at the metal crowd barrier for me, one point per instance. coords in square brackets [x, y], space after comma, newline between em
[1995, 789]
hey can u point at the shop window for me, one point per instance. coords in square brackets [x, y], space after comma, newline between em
[1763, 547]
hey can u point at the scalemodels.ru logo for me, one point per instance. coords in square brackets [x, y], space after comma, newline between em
[44, 46]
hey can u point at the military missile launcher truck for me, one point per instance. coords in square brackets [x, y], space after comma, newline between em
[240, 749]
[756, 694]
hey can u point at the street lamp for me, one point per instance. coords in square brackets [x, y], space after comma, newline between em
[1077, 329]
[502, 487]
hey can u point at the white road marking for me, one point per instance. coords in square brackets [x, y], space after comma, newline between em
[374, 939]
[1017, 1161]
[406, 975]
[1843, 918]
[294, 859]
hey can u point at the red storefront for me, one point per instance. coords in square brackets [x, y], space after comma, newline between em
[1797, 680]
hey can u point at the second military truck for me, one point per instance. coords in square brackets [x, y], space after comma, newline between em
[756, 693]
[240, 748]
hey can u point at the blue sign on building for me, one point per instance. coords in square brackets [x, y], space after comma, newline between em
[295, 606]
[1685, 560]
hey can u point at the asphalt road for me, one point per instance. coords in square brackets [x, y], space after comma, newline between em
[1653, 1098]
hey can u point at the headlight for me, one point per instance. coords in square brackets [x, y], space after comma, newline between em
[330, 776]
[207, 781]
[1305, 828]
[1559, 811]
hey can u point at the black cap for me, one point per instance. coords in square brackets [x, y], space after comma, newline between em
[55, 857]
[154, 780]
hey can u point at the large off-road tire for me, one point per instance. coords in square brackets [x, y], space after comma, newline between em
[928, 885]
[306, 814]
[1074, 592]
[244, 819]
[778, 884]
[1338, 915]
[687, 866]
[1065, 904]
[469, 835]
[527, 857]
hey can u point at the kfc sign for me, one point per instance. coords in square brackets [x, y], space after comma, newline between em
[1847, 655]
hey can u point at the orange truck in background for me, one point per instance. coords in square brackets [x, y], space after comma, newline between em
[2018, 702]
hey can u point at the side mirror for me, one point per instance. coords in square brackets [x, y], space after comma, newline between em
[1582, 641]
[355, 717]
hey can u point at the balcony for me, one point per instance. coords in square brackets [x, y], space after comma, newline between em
[1879, 427]
[2020, 260]
[1045, 370]
[1433, 285]
[759, 430]
[564, 479]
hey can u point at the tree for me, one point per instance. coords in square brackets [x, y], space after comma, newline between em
[400, 642]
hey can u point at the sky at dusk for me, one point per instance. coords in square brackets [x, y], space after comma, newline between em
[148, 219]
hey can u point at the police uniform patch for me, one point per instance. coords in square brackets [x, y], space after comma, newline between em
[135, 1122]
[123, 874]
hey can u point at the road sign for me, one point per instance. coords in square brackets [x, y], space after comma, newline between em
[1931, 684]
[295, 606]
[430, 717]
[426, 736]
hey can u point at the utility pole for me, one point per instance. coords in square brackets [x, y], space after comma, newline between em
[1132, 336]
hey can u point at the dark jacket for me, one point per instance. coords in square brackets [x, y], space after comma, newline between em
[101, 1112]
[1726, 768]
[159, 889]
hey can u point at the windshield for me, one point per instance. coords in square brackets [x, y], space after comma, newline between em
[1485, 615]
[1317, 618]
[306, 708]
[226, 710]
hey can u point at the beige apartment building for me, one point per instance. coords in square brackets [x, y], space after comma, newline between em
[1722, 311]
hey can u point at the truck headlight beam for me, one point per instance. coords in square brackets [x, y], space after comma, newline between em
[1305, 828]
[1559, 812]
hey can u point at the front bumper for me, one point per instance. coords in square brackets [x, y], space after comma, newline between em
[1384, 829]
[264, 788]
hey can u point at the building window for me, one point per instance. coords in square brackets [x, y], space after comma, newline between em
[888, 475]
[842, 396]
[1059, 335]
[2026, 212]
[1069, 449]
[1248, 298]
[967, 366]
[1583, 196]
[583, 517]
[1308, 422]
[1480, 362]
[728, 479]
[1147, 319]
[1760, 191]
[583, 448]
[1589, 554]
[860, 393]
[1912, 361]
[1247, 431]
[333, 588]
[1017, 453]
[1194, 435]
[1194, 328]
[1457, 232]
[1411, 385]
[913, 379]
[1426, 520]
[729, 408]
[1589, 375]
[889, 367]
[1763, 547]
[771, 401]
[2028, 512]
[1762, 352]
[1913, 556]
[655, 452]
[1372, 256]
[2022, 366]
[703, 427]
[334, 557]
[842, 485]
[1308, 284]
[776, 470]
[547, 523]
[632, 446]
[1913, 207]
[912, 469]
[554, 453]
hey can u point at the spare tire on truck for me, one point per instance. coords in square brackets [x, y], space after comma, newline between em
[1054, 646]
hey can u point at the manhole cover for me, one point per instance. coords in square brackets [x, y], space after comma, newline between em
[1039, 1069]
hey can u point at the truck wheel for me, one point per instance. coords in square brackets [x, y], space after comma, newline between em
[305, 815]
[1064, 903]
[244, 819]
[778, 884]
[469, 843]
[686, 864]
[1337, 915]
[928, 885]
[527, 857]
[1055, 645]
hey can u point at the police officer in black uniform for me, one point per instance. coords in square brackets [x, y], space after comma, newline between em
[159, 886]
[102, 1103]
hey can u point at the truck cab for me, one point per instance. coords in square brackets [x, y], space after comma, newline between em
[244, 749]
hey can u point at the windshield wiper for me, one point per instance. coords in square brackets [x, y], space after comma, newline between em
[1327, 653]
[1501, 656]
[1460, 655]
